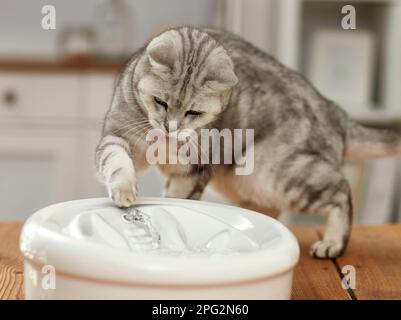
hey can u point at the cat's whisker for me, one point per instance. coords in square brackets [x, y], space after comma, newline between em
[135, 128]
[141, 137]
[130, 124]
[133, 121]
[125, 131]
[143, 129]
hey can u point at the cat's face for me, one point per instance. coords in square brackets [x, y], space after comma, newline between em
[188, 80]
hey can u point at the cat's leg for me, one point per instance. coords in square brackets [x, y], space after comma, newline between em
[116, 169]
[314, 186]
[338, 228]
[188, 186]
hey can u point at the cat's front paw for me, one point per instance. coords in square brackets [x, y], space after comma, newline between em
[123, 190]
[326, 249]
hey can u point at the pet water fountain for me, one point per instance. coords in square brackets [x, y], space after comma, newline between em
[157, 249]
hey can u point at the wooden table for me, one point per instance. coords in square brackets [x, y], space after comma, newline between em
[374, 252]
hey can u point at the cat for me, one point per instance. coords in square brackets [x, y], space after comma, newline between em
[209, 78]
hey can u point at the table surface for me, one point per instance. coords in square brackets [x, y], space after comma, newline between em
[374, 252]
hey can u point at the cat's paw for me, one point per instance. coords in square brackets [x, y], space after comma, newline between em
[326, 249]
[123, 190]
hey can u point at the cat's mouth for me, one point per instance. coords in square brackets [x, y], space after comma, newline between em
[180, 135]
[170, 132]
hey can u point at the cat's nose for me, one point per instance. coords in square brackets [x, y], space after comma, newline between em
[170, 126]
[167, 127]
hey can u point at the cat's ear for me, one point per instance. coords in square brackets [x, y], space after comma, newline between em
[220, 75]
[162, 53]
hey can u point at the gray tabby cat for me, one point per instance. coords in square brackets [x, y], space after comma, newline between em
[205, 78]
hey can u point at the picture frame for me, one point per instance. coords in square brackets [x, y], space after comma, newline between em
[341, 66]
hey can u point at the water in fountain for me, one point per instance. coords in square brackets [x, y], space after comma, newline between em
[171, 230]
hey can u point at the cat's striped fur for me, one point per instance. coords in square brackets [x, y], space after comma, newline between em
[301, 138]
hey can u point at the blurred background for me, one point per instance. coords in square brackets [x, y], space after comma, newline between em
[56, 85]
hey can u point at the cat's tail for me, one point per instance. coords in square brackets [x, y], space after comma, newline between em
[364, 142]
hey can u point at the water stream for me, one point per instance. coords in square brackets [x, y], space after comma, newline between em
[172, 230]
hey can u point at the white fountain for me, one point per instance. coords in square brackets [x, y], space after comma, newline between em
[157, 249]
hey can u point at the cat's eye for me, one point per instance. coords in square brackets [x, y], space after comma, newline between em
[193, 113]
[161, 102]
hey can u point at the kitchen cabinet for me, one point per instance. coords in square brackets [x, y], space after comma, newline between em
[50, 124]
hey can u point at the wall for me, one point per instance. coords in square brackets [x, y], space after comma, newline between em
[21, 32]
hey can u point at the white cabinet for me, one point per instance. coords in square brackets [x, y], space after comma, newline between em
[37, 167]
[50, 124]
[99, 89]
[40, 96]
